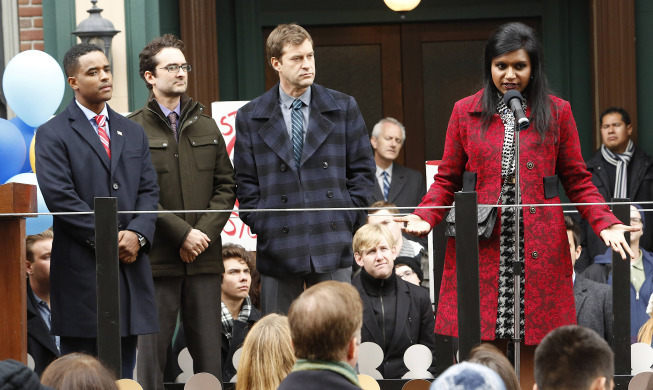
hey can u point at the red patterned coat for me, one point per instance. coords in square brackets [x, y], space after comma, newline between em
[549, 296]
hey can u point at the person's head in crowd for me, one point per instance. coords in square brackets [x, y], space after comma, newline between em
[468, 376]
[375, 250]
[163, 66]
[516, 43]
[267, 355]
[616, 129]
[325, 323]
[490, 356]
[573, 358]
[386, 217]
[78, 371]
[409, 270]
[37, 253]
[236, 279]
[388, 135]
[89, 75]
[289, 50]
[17, 376]
[573, 236]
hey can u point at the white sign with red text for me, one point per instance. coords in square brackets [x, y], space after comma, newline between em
[235, 231]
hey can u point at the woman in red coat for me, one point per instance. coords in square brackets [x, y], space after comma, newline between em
[480, 140]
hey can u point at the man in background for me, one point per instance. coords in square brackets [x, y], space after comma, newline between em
[593, 299]
[396, 184]
[41, 345]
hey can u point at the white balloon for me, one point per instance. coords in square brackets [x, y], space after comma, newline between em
[33, 84]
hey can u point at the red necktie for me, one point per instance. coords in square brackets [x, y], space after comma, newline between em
[101, 121]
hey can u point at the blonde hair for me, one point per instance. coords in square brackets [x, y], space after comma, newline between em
[490, 356]
[267, 355]
[371, 235]
[78, 371]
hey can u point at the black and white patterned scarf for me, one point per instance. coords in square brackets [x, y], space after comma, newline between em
[228, 320]
[506, 298]
[621, 161]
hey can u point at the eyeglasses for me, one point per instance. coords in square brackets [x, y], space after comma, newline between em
[175, 68]
[635, 221]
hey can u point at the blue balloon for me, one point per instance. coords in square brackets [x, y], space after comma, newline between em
[28, 133]
[12, 150]
[33, 84]
[41, 222]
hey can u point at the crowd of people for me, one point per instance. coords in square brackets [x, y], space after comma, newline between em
[342, 276]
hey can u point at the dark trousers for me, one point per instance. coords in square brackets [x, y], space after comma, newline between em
[278, 293]
[198, 298]
[88, 345]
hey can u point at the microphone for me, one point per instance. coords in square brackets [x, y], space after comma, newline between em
[513, 100]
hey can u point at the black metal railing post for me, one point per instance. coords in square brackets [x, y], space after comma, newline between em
[108, 283]
[469, 303]
[621, 304]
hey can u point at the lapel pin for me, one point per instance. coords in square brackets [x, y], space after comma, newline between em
[119, 132]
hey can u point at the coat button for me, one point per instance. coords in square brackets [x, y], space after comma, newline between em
[333, 226]
[165, 144]
[530, 165]
[532, 209]
[534, 255]
[285, 229]
[176, 155]
[115, 186]
[194, 143]
[329, 194]
[284, 198]
[195, 117]
[325, 165]
[283, 167]
[201, 108]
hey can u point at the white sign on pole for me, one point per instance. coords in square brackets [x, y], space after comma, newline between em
[235, 231]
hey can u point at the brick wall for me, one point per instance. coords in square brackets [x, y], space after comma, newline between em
[30, 17]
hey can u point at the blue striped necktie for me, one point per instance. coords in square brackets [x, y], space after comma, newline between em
[297, 120]
[386, 185]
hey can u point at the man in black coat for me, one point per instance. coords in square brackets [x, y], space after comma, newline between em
[90, 151]
[325, 324]
[396, 314]
[41, 345]
[593, 300]
[619, 170]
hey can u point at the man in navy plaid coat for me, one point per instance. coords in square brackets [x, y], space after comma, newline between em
[300, 145]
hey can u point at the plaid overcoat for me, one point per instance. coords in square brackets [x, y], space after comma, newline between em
[337, 171]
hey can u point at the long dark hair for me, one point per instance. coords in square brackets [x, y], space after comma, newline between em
[505, 39]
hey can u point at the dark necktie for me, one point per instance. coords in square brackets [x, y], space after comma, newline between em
[297, 121]
[172, 117]
[386, 185]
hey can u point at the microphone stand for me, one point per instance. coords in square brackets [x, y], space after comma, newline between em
[518, 263]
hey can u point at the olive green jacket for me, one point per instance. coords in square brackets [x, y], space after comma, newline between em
[194, 174]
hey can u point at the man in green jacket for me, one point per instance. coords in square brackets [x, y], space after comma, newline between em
[194, 173]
